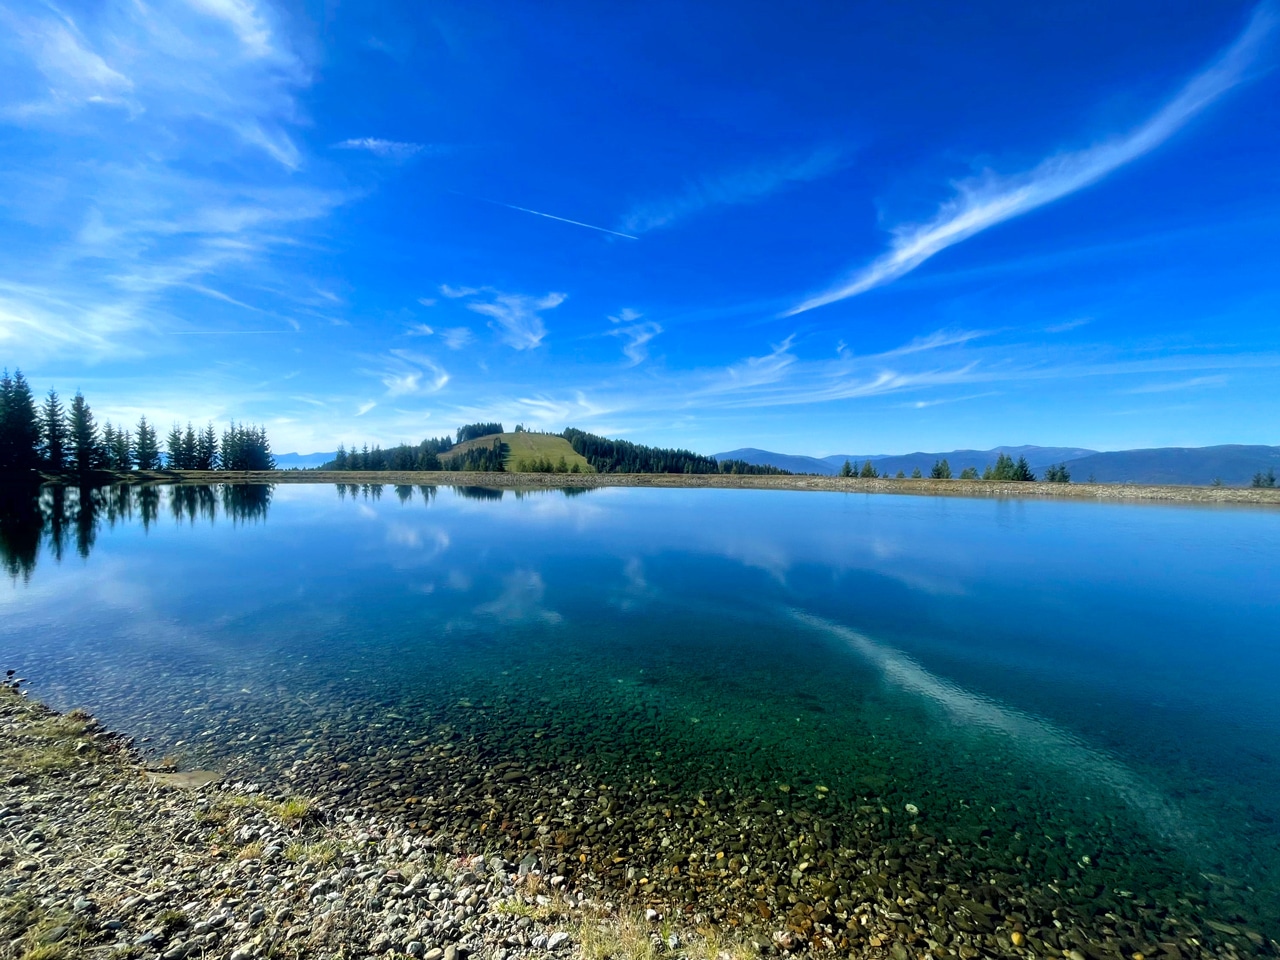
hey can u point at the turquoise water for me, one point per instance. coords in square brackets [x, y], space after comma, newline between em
[1084, 694]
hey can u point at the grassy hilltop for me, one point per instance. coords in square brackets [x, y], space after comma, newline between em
[527, 449]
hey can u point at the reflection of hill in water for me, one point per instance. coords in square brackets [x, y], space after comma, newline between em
[373, 491]
[58, 518]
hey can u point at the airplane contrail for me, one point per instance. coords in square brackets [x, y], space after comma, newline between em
[552, 216]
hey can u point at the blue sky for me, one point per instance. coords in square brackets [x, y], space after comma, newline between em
[816, 228]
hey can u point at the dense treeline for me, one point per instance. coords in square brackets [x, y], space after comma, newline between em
[474, 431]
[431, 454]
[622, 456]
[406, 457]
[62, 441]
[56, 518]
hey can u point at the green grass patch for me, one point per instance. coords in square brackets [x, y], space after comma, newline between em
[45, 743]
[529, 448]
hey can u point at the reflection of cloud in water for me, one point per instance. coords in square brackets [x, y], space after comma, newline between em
[637, 591]
[432, 539]
[521, 600]
[1038, 739]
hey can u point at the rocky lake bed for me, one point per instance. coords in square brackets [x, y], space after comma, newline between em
[442, 849]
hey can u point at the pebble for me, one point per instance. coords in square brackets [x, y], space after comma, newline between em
[797, 872]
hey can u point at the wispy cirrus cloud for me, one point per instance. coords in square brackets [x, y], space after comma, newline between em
[1190, 383]
[387, 149]
[139, 235]
[744, 185]
[516, 317]
[455, 338]
[983, 202]
[409, 373]
[636, 333]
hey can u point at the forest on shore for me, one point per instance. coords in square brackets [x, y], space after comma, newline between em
[67, 442]
[603, 455]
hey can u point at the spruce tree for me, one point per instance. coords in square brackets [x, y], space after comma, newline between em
[173, 449]
[847, 469]
[146, 451]
[122, 451]
[868, 471]
[109, 446]
[189, 449]
[207, 449]
[53, 426]
[19, 424]
[941, 470]
[86, 448]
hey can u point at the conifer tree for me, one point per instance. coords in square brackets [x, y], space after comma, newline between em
[207, 449]
[941, 470]
[19, 424]
[868, 471]
[146, 450]
[189, 448]
[847, 469]
[86, 447]
[122, 451]
[109, 446]
[173, 449]
[53, 426]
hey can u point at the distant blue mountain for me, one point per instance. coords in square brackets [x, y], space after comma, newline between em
[1037, 457]
[302, 461]
[1233, 464]
[783, 461]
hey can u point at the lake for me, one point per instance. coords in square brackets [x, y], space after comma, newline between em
[783, 706]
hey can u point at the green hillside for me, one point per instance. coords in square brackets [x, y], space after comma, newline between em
[529, 447]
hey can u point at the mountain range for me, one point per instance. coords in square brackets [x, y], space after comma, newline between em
[1233, 464]
[301, 461]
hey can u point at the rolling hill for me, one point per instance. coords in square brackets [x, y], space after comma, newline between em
[1233, 464]
[528, 447]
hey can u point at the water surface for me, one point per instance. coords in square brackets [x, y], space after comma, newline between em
[1084, 693]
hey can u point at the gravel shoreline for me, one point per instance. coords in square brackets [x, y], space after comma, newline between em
[101, 857]
[983, 489]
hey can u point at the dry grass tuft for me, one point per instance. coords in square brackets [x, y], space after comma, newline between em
[294, 811]
[631, 937]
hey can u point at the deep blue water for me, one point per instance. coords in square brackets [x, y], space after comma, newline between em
[1103, 671]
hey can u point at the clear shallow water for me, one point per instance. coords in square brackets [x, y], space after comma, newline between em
[1083, 693]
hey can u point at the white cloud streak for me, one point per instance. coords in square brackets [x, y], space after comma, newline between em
[984, 202]
[387, 149]
[636, 333]
[409, 373]
[748, 185]
[515, 316]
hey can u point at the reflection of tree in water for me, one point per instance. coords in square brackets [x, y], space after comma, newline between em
[21, 527]
[246, 502]
[32, 517]
[478, 493]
